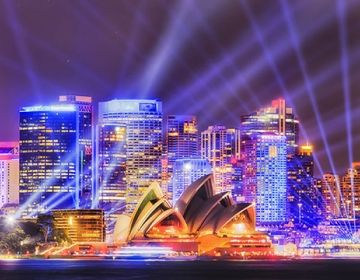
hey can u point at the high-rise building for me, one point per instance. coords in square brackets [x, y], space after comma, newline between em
[237, 180]
[187, 171]
[111, 167]
[350, 188]
[84, 109]
[9, 173]
[330, 189]
[181, 141]
[55, 155]
[276, 119]
[221, 146]
[302, 194]
[142, 120]
[265, 177]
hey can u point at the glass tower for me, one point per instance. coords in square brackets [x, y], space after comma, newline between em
[330, 189]
[187, 171]
[55, 155]
[181, 141]
[302, 193]
[111, 163]
[84, 117]
[265, 177]
[142, 120]
[276, 119]
[351, 192]
[221, 146]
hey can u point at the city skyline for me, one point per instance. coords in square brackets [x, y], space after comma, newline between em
[244, 65]
[179, 130]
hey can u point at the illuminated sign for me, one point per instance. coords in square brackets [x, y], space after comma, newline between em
[147, 107]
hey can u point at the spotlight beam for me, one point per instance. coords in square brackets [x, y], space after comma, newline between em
[341, 10]
[21, 47]
[167, 47]
[239, 49]
[309, 89]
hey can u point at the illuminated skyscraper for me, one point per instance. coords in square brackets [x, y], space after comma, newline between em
[265, 177]
[221, 146]
[55, 155]
[277, 119]
[9, 173]
[111, 167]
[181, 141]
[350, 187]
[187, 171]
[84, 109]
[142, 120]
[237, 180]
[302, 194]
[330, 189]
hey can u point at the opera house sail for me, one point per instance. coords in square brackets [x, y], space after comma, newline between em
[201, 221]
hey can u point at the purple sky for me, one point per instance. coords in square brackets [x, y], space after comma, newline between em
[215, 59]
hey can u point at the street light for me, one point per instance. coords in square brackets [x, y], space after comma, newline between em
[10, 220]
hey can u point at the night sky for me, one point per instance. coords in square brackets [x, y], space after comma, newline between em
[215, 59]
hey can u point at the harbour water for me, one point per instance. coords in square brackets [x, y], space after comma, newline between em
[195, 269]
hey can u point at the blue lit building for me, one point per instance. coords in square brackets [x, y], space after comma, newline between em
[221, 146]
[55, 155]
[187, 171]
[111, 167]
[142, 120]
[271, 176]
[303, 196]
[237, 179]
[265, 177]
[275, 119]
[181, 141]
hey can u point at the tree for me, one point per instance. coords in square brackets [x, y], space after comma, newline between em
[11, 237]
[46, 223]
[60, 236]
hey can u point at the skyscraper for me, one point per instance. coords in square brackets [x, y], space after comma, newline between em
[55, 155]
[277, 119]
[142, 120]
[350, 187]
[221, 146]
[181, 141]
[187, 171]
[84, 109]
[330, 189]
[265, 177]
[302, 196]
[9, 173]
[111, 167]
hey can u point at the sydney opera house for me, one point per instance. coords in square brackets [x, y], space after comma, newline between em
[201, 222]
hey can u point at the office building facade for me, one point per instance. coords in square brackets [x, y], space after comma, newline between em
[181, 142]
[187, 171]
[265, 177]
[55, 156]
[143, 122]
[302, 194]
[9, 173]
[330, 190]
[275, 119]
[350, 187]
[221, 146]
